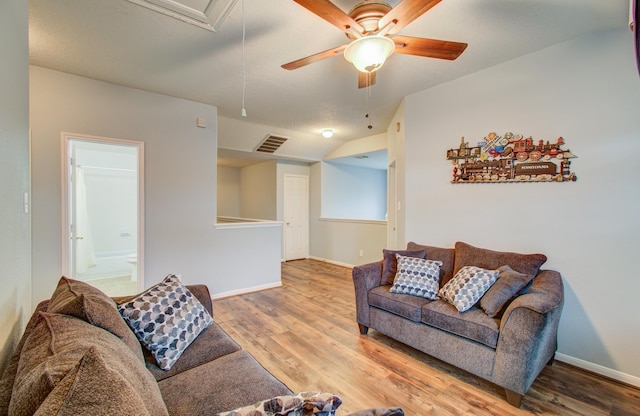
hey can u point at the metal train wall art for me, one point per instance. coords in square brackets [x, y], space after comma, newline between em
[511, 158]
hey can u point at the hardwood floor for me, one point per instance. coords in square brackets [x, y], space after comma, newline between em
[305, 333]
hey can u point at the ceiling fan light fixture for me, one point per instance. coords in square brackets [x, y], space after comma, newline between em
[369, 53]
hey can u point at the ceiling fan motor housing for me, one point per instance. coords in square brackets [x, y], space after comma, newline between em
[368, 14]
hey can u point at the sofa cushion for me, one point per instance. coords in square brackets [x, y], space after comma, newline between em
[301, 404]
[79, 299]
[473, 324]
[407, 306]
[166, 318]
[229, 382]
[102, 386]
[52, 364]
[445, 255]
[417, 277]
[508, 285]
[468, 255]
[212, 343]
[468, 286]
[390, 262]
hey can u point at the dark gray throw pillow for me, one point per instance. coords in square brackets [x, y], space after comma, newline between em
[468, 255]
[390, 263]
[508, 285]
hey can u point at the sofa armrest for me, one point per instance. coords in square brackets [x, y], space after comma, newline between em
[365, 278]
[528, 332]
[202, 293]
[8, 377]
[369, 274]
[546, 293]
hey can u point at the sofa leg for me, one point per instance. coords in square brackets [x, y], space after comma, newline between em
[551, 360]
[363, 329]
[513, 398]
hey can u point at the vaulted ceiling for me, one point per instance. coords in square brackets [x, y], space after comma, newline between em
[121, 42]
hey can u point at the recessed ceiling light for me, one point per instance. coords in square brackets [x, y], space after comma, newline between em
[327, 133]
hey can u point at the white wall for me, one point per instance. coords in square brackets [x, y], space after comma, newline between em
[353, 192]
[349, 194]
[258, 191]
[363, 145]
[588, 91]
[15, 249]
[341, 240]
[180, 184]
[228, 195]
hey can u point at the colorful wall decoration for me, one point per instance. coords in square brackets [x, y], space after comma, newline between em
[511, 158]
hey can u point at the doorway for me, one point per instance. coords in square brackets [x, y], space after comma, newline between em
[103, 231]
[296, 217]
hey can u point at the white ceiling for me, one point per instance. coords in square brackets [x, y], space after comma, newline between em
[121, 42]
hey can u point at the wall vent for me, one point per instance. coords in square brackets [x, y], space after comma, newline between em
[271, 143]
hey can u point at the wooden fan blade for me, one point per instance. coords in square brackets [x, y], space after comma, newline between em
[337, 51]
[430, 48]
[406, 12]
[366, 79]
[331, 13]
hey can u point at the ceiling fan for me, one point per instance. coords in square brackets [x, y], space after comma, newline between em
[369, 26]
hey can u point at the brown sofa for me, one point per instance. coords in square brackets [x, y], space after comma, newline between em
[509, 348]
[78, 357]
[66, 365]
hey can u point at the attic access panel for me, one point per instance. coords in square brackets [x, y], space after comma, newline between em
[207, 14]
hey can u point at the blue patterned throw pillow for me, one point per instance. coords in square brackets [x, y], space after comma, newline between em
[467, 287]
[166, 318]
[417, 277]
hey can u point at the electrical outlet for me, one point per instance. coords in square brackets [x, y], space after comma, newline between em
[361, 253]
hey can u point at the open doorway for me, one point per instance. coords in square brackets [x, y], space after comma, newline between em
[103, 230]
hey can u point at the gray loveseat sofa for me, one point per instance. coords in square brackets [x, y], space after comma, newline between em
[508, 347]
[77, 357]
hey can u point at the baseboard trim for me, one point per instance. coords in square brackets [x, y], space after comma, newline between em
[600, 370]
[246, 290]
[337, 263]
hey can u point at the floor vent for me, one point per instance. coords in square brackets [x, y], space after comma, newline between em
[271, 143]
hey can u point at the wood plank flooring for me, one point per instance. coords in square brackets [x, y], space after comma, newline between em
[305, 333]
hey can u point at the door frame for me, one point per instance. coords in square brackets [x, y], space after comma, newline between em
[66, 137]
[392, 205]
[284, 213]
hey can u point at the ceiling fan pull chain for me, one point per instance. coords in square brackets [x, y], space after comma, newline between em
[243, 112]
[368, 115]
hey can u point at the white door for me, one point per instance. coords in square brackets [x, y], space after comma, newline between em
[103, 230]
[296, 217]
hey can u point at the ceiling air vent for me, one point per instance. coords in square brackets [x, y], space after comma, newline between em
[271, 143]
